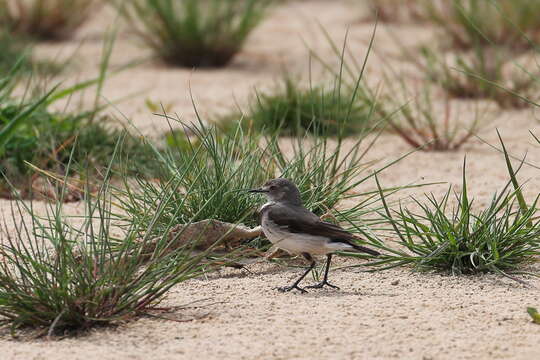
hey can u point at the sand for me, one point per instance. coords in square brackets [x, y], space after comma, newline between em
[396, 314]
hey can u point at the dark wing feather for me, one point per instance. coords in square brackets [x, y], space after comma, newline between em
[304, 221]
[301, 220]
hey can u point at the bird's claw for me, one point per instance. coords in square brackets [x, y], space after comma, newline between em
[292, 287]
[322, 284]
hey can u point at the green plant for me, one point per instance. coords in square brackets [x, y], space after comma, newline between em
[46, 138]
[71, 274]
[487, 65]
[427, 127]
[293, 110]
[491, 35]
[500, 238]
[533, 313]
[213, 168]
[45, 19]
[344, 107]
[471, 23]
[194, 33]
[13, 121]
[14, 49]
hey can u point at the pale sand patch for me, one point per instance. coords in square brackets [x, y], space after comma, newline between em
[424, 316]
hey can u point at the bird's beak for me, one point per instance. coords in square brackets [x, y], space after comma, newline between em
[257, 191]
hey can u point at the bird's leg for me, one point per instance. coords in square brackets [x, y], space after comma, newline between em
[325, 279]
[295, 285]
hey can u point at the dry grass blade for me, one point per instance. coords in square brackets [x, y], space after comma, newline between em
[425, 125]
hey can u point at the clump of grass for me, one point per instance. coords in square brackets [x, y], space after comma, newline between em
[293, 111]
[14, 49]
[500, 238]
[479, 74]
[47, 138]
[57, 276]
[12, 124]
[426, 127]
[194, 33]
[470, 23]
[214, 168]
[45, 19]
[490, 35]
[342, 107]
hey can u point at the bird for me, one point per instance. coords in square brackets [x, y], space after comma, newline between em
[290, 226]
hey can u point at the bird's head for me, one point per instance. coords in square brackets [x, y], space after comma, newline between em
[280, 190]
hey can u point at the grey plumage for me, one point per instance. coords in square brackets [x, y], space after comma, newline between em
[292, 227]
[297, 221]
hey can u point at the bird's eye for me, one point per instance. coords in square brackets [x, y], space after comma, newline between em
[272, 187]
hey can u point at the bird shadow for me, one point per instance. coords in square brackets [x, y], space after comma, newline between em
[256, 269]
[339, 294]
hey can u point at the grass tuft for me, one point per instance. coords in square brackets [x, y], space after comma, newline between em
[500, 238]
[194, 33]
[14, 49]
[51, 20]
[293, 111]
[215, 169]
[486, 72]
[428, 127]
[342, 107]
[46, 138]
[467, 24]
[63, 274]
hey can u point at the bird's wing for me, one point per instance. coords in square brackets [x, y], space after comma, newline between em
[300, 220]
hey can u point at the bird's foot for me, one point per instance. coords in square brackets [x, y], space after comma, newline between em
[321, 285]
[292, 287]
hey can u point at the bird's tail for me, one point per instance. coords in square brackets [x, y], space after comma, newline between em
[364, 249]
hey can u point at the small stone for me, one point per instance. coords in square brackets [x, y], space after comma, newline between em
[395, 282]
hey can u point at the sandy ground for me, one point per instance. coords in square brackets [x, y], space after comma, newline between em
[393, 314]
